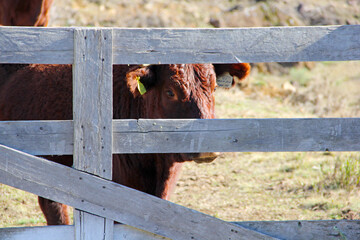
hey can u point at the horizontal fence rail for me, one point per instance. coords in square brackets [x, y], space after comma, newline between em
[236, 135]
[38, 137]
[121, 232]
[193, 135]
[274, 44]
[36, 45]
[154, 46]
[323, 229]
[304, 230]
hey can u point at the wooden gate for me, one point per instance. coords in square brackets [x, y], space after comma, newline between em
[92, 136]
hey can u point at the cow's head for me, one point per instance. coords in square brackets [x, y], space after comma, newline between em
[181, 91]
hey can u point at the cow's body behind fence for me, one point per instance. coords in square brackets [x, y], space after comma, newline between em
[44, 92]
[24, 12]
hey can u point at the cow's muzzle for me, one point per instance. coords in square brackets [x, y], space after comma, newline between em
[205, 157]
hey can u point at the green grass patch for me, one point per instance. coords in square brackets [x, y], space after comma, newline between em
[301, 76]
[344, 173]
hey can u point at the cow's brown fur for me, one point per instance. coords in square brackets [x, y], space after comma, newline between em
[44, 92]
[24, 12]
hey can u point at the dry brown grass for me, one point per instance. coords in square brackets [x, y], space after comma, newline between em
[282, 186]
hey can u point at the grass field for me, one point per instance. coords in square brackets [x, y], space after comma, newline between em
[246, 186]
[282, 186]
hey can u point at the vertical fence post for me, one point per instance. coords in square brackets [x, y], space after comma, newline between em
[92, 113]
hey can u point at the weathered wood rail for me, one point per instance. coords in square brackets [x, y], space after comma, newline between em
[193, 135]
[292, 230]
[92, 51]
[153, 46]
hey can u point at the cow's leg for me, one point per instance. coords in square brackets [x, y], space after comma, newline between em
[55, 213]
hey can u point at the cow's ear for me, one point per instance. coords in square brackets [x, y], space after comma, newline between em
[238, 71]
[140, 80]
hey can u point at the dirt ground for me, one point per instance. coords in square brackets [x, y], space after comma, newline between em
[246, 186]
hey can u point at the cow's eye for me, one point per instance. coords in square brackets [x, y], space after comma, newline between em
[170, 93]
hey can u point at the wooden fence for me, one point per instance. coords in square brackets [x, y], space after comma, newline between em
[87, 187]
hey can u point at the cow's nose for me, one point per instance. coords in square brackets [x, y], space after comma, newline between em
[205, 157]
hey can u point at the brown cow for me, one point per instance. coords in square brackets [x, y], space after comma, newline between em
[24, 12]
[44, 92]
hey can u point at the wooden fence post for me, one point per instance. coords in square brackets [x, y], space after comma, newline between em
[92, 113]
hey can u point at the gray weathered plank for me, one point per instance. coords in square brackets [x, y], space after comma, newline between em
[306, 230]
[125, 232]
[224, 135]
[291, 230]
[138, 46]
[108, 199]
[270, 44]
[36, 45]
[121, 232]
[38, 137]
[236, 135]
[92, 112]
[91, 227]
[38, 233]
[92, 101]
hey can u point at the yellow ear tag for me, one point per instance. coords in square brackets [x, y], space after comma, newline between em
[140, 86]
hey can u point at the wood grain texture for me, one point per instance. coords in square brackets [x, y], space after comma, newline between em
[38, 137]
[92, 112]
[291, 230]
[153, 46]
[38, 233]
[105, 198]
[121, 232]
[305, 230]
[270, 44]
[91, 227]
[36, 45]
[224, 135]
[92, 102]
[236, 135]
